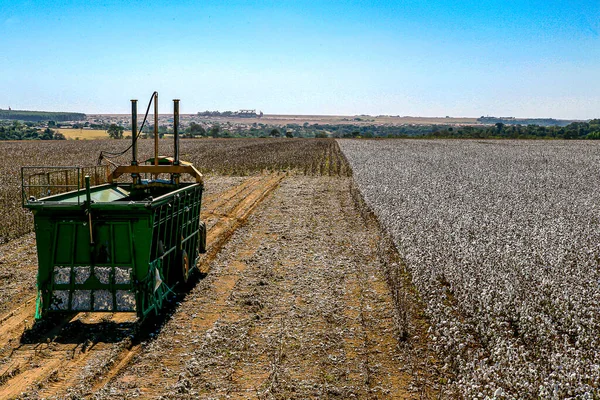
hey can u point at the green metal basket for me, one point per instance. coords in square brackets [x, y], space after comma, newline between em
[113, 247]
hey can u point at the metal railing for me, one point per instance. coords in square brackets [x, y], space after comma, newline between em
[38, 182]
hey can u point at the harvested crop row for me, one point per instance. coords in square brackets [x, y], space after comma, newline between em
[502, 240]
[296, 306]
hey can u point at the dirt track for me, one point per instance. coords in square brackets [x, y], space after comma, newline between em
[295, 306]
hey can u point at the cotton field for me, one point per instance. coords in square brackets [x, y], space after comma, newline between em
[502, 239]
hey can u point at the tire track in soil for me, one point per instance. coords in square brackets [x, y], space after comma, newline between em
[215, 307]
[51, 365]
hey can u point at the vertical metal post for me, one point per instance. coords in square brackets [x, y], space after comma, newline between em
[133, 132]
[176, 137]
[88, 194]
[88, 199]
[134, 138]
[176, 131]
[155, 128]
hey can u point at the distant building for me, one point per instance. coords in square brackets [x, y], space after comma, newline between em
[247, 113]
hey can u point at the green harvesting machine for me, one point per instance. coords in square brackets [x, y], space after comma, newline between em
[109, 245]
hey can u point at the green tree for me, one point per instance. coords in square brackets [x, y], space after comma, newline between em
[48, 134]
[195, 130]
[214, 131]
[59, 136]
[115, 131]
[275, 132]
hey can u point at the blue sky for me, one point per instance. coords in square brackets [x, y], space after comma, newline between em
[420, 58]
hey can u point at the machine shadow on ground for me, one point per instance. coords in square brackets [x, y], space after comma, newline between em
[72, 328]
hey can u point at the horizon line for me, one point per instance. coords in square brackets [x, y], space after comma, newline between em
[317, 115]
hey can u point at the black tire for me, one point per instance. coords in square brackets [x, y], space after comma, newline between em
[185, 266]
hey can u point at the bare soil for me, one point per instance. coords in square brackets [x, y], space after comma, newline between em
[295, 304]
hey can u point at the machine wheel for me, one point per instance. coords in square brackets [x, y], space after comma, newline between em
[185, 266]
[202, 238]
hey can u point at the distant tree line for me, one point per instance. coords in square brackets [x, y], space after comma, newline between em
[371, 131]
[19, 131]
[243, 113]
[216, 113]
[575, 130]
[35, 116]
[524, 121]
[215, 130]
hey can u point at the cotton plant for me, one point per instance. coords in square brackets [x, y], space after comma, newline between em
[502, 239]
